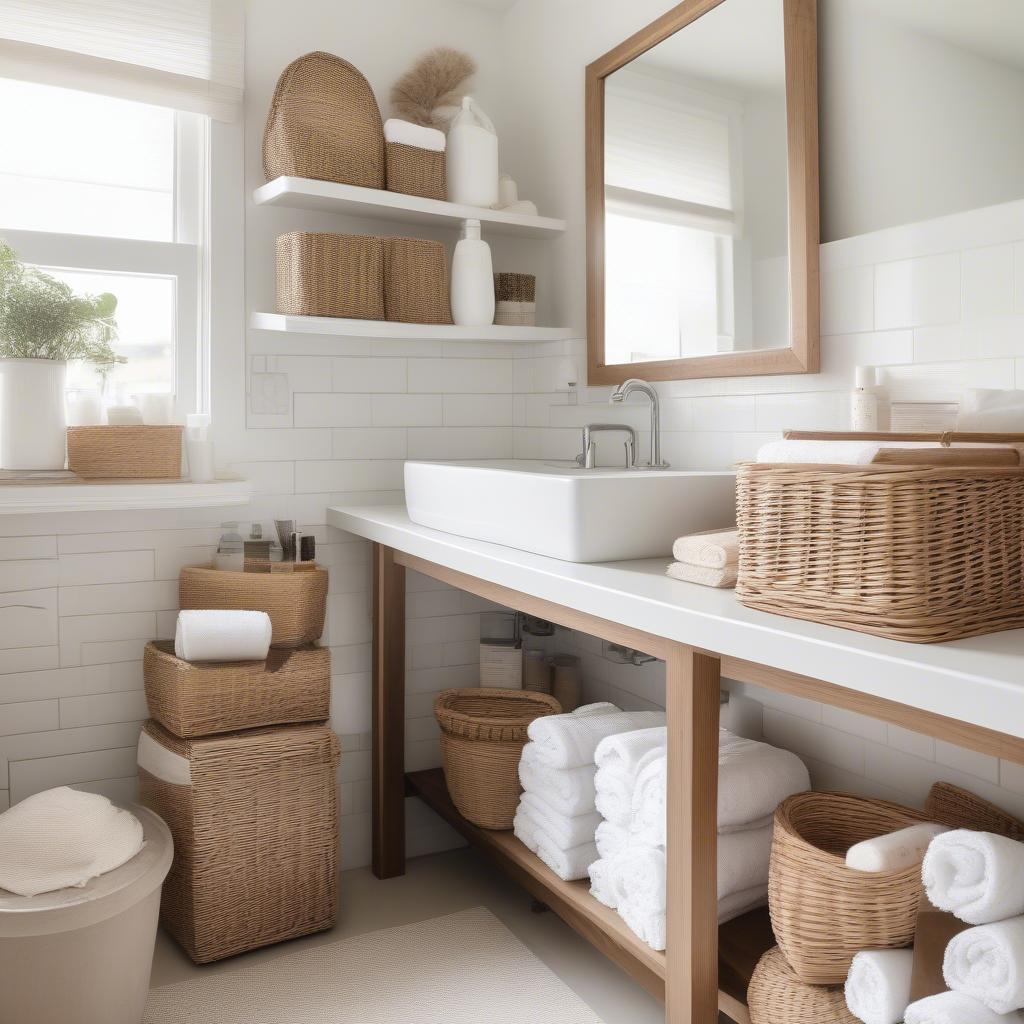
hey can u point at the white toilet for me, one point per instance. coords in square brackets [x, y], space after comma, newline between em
[84, 955]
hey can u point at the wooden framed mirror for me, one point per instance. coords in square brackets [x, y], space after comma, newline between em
[702, 195]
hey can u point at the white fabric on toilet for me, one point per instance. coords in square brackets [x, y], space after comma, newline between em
[222, 635]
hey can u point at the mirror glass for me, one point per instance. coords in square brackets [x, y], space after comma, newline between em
[695, 188]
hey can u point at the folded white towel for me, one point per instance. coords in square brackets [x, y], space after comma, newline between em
[222, 635]
[613, 798]
[564, 830]
[602, 881]
[611, 839]
[739, 903]
[640, 878]
[956, 1008]
[686, 573]
[569, 791]
[418, 135]
[647, 811]
[648, 925]
[712, 549]
[623, 751]
[599, 707]
[568, 741]
[569, 864]
[878, 985]
[743, 860]
[841, 453]
[977, 876]
[894, 851]
[62, 838]
[988, 963]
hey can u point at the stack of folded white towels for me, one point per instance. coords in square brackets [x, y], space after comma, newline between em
[630, 874]
[710, 558]
[556, 817]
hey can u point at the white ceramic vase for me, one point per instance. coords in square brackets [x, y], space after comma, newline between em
[32, 421]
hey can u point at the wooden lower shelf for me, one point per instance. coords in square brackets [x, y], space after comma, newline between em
[740, 942]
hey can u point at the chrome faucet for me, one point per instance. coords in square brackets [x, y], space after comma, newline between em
[620, 394]
[588, 457]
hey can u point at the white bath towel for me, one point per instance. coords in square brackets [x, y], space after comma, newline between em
[713, 549]
[878, 985]
[565, 830]
[640, 878]
[988, 963]
[569, 864]
[222, 635]
[754, 778]
[647, 810]
[977, 876]
[743, 860]
[613, 794]
[844, 453]
[894, 851]
[611, 839]
[956, 1008]
[739, 903]
[602, 881]
[624, 751]
[686, 573]
[409, 134]
[62, 838]
[569, 791]
[568, 741]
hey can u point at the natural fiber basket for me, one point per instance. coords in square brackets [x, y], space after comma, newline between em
[415, 171]
[125, 452]
[254, 816]
[483, 733]
[416, 281]
[515, 299]
[205, 698]
[323, 274]
[295, 601]
[324, 123]
[777, 996]
[914, 553]
[824, 912]
[960, 808]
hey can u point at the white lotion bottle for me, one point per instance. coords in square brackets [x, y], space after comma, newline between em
[472, 279]
[864, 401]
[471, 160]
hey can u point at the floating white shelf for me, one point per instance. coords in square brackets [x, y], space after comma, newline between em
[399, 331]
[332, 197]
[119, 495]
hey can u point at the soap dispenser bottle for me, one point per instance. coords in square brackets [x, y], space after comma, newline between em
[471, 161]
[472, 279]
[864, 401]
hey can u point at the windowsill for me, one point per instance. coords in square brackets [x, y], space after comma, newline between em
[119, 495]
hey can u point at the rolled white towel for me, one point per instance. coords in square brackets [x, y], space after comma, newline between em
[222, 635]
[563, 829]
[623, 751]
[569, 791]
[418, 135]
[648, 925]
[956, 1008]
[894, 851]
[613, 794]
[569, 864]
[602, 881]
[976, 876]
[640, 878]
[611, 839]
[988, 963]
[712, 549]
[647, 810]
[569, 741]
[878, 985]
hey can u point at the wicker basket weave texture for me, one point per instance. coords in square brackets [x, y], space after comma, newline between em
[202, 699]
[483, 732]
[125, 452]
[777, 996]
[323, 274]
[414, 171]
[255, 837]
[324, 123]
[919, 554]
[823, 912]
[960, 808]
[510, 287]
[296, 601]
[416, 281]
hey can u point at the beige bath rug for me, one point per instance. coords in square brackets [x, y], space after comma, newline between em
[467, 968]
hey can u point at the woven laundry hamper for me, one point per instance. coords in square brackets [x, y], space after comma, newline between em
[777, 996]
[203, 698]
[415, 171]
[515, 299]
[295, 601]
[254, 816]
[324, 123]
[125, 452]
[416, 281]
[324, 274]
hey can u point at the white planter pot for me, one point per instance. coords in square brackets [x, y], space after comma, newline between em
[32, 422]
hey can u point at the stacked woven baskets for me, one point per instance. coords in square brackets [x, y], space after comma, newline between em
[239, 761]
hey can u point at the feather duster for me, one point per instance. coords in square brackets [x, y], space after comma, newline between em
[431, 90]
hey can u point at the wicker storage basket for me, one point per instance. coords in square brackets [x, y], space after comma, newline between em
[323, 274]
[202, 699]
[295, 601]
[324, 123]
[416, 281]
[777, 996]
[415, 171]
[824, 912]
[960, 808]
[254, 816]
[914, 553]
[125, 452]
[483, 733]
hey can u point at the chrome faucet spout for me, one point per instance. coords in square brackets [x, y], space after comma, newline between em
[621, 393]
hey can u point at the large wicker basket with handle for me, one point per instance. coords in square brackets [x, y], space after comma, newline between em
[777, 996]
[483, 732]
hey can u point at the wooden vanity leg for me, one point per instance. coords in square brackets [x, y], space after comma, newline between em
[692, 705]
[388, 714]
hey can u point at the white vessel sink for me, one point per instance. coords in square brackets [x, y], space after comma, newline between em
[579, 515]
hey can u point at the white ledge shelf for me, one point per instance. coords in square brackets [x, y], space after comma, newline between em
[333, 197]
[385, 329]
[119, 495]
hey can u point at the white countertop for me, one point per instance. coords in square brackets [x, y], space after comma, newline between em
[979, 680]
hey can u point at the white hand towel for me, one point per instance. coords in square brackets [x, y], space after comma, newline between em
[956, 1008]
[895, 851]
[569, 791]
[569, 864]
[977, 876]
[611, 839]
[640, 878]
[739, 903]
[844, 453]
[713, 549]
[222, 635]
[988, 963]
[565, 830]
[878, 985]
[647, 810]
[743, 860]
[603, 881]
[569, 741]
[686, 573]
[754, 778]
[62, 838]
[418, 135]
[623, 751]
[613, 797]
[648, 925]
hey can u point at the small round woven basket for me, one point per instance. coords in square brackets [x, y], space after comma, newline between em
[777, 996]
[483, 733]
[824, 912]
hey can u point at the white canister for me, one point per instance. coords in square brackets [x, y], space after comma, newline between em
[157, 408]
[84, 407]
[471, 161]
[472, 280]
[32, 420]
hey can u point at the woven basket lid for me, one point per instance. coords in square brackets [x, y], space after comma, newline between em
[486, 714]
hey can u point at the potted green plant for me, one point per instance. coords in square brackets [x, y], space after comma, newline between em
[44, 324]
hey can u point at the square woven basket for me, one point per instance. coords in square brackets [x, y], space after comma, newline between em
[125, 452]
[324, 274]
[416, 281]
[415, 171]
